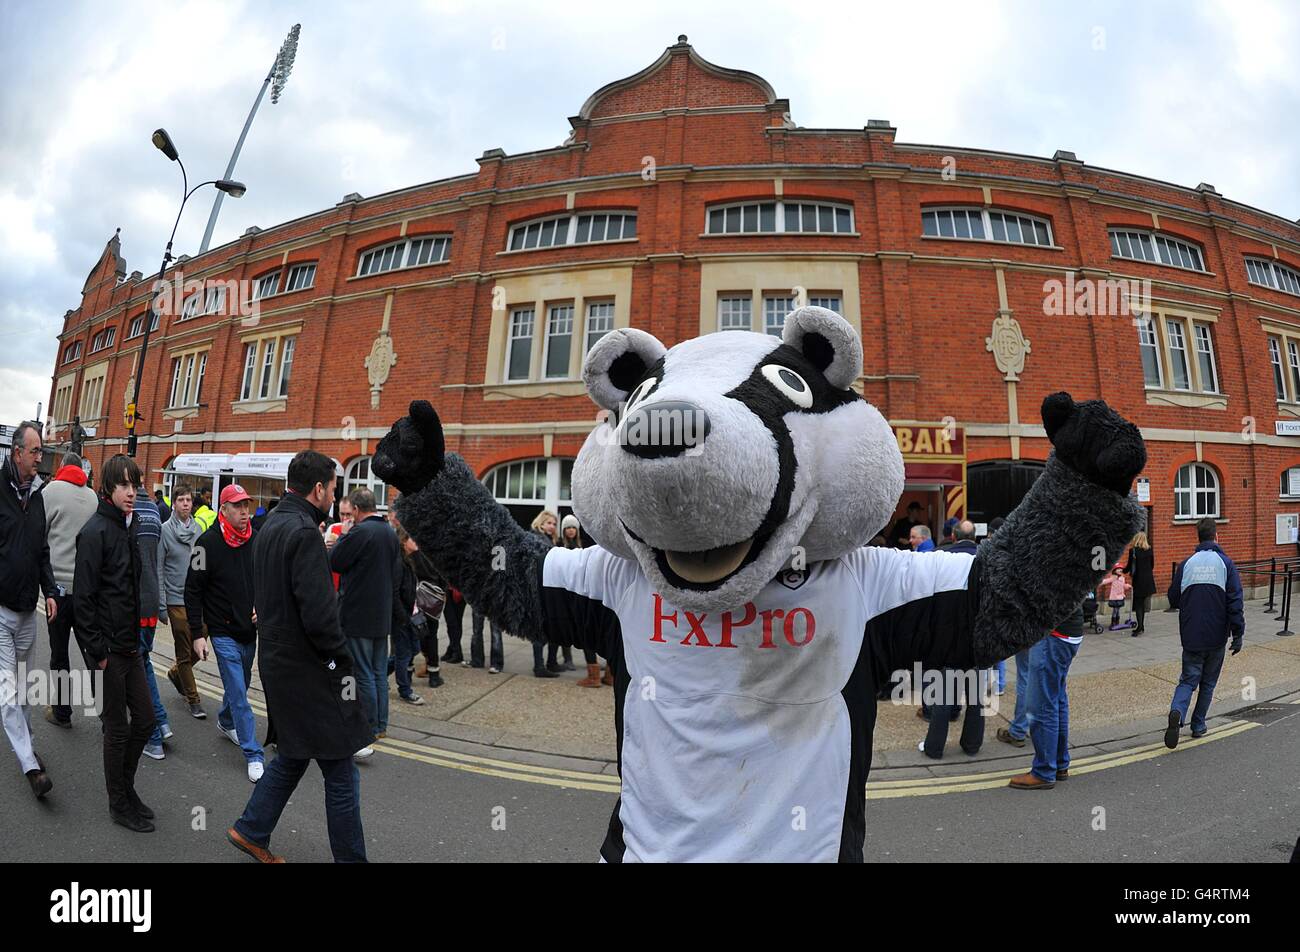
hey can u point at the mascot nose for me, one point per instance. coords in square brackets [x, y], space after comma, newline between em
[666, 428]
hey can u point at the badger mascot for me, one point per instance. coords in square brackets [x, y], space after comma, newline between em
[749, 630]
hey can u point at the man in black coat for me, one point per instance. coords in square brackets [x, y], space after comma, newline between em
[24, 566]
[368, 561]
[306, 670]
[106, 604]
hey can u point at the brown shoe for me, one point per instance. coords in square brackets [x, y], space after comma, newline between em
[41, 783]
[1028, 781]
[592, 680]
[607, 677]
[920, 713]
[1007, 737]
[422, 671]
[252, 849]
[1063, 775]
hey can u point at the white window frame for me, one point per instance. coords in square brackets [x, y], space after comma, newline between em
[555, 319]
[591, 334]
[1201, 334]
[1147, 323]
[399, 254]
[512, 336]
[268, 285]
[1178, 351]
[1193, 492]
[1155, 247]
[72, 352]
[552, 498]
[353, 479]
[103, 340]
[1282, 491]
[772, 303]
[289, 345]
[214, 299]
[986, 216]
[728, 306]
[1279, 370]
[264, 375]
[832, 302]
[1158, 323]
[1266, 273]
[568, 226]
[779, 217]
[191, 306]
[251, 349]
[294, 281]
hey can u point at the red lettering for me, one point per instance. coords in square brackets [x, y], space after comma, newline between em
[810, 627]
[697, 630]
[768, 615]
[660, 617]
[750, 614]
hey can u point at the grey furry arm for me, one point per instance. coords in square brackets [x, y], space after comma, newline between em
[1053, 548]
[476, 545]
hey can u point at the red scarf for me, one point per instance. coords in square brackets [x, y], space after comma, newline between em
[234, 539]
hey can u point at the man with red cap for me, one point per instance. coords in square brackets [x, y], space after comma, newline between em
[219, 594]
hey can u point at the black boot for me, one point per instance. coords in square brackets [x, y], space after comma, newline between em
[138, 805]
[131, 820]
[544, 673]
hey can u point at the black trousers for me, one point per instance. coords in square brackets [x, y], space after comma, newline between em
[453, 612]
[128, 721]
[1140, 608]
[972, 728]
[60, 632]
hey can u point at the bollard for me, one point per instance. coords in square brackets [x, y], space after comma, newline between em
[1286, 606]
[1272, 580]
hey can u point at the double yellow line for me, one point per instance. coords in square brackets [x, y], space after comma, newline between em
[876, 789]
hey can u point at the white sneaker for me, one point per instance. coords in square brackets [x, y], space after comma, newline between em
[921, 747]
[255, 770]
[230, 735]
[365, 753]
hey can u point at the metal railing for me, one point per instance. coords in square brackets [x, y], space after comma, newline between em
[1281, 574]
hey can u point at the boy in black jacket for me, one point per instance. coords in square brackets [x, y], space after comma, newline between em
[106, 599]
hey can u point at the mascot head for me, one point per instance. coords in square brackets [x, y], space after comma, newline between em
[733, 455]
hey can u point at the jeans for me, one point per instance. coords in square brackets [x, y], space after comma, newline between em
[1049, 705]
[235, 662]
[125, 692]
[159, 712]
[370, 659]
[476, 643]
[17, 647]
[454, 614]
[342, 805]
[406, 642]
[1020, 720]
[972, 728]
[1200, 671]
[1002, 675]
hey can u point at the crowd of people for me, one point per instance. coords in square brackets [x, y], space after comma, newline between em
[332, 609]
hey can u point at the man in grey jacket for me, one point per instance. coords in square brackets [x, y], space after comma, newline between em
[69, 503]
[179, 534]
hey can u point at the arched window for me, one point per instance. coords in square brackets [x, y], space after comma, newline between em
[359, 476]
[1196, 492]
[527, 486]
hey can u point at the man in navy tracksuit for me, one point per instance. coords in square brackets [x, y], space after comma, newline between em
[1206, 590]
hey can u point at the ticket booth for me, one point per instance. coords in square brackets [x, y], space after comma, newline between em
[262, 475]
[934, 467]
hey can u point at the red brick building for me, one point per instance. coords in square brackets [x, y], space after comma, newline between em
[686, 201]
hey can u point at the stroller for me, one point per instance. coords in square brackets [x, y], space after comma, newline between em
[1090, 620]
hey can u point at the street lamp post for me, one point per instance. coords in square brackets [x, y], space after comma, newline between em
[276, 79]
[164, 144]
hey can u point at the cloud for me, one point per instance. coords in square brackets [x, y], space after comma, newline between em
[387, 96]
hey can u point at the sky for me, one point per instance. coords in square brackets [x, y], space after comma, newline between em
[387, 96]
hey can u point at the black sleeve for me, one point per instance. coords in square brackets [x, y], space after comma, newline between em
[574, 587]
[1175, 587]
[86, 595]
[313, 593]
[196, 586]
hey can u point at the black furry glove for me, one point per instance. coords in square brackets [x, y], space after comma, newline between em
[411, 454]
[1095, 441]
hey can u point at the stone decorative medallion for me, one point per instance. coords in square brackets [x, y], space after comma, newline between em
[1008, 344]
[378, 365]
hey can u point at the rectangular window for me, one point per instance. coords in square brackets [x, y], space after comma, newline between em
[734, 314]
[600, 321]
[191, 306]
[189, 379]
[427, 251]
[520, 347]
[73, 352]
[103, 339]
[268, 367]
[286, 364]
[1177, 355]
[92, 393]
[197, 397]
[1279, 380]
[215, 299]
[250, 368]
[1205, 358]
[301, 277]
[1293, 359]
[174, 398]
[773, 217]
[266, 285]
[136, 328]
[1150, 349]
[829, 301]
[774, 311]
[559, 337]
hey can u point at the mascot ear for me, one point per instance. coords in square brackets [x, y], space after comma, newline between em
[617, 362]
[828, 340]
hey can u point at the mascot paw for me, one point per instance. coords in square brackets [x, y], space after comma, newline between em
[1095, 441]
[411, 454]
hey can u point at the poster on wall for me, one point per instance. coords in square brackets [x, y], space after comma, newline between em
[1288, 529]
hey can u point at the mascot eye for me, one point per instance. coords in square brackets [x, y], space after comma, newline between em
[638, 394]
[790, 384]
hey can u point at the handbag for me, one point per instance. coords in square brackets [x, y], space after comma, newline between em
[430, 598]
